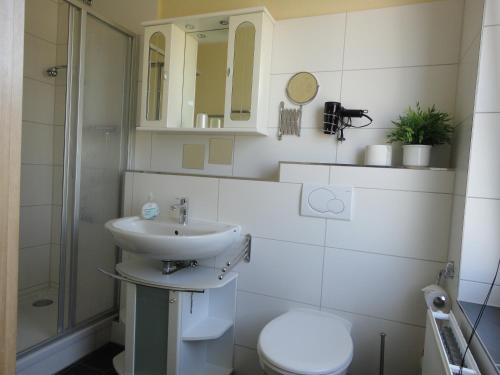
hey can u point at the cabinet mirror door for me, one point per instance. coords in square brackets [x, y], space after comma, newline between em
[243, 63]
[156, 76]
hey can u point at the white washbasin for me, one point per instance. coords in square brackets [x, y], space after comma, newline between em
[167, 240]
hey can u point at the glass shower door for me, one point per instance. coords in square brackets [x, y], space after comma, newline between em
[100, 161]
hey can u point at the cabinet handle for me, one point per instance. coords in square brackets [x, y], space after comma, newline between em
[165, 76]
[228, 72]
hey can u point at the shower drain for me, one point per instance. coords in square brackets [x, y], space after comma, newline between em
[43, 302]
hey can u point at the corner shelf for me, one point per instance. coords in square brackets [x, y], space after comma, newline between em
[207, 329]
[211, 131]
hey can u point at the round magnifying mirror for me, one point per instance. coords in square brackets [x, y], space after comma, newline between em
[302, 88]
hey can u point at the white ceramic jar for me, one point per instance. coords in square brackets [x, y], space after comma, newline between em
[416, 155]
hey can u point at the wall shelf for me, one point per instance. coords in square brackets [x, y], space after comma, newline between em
[210, 131]
[207, 329]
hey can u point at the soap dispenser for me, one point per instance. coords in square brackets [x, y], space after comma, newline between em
[150, 210]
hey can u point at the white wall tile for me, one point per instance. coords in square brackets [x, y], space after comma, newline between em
[387, 93]
[246, 361]
[166, 155]
[36, 143]
[39, 56]
[466, 83]
[352, 150]
[55, 236]
[484, 173]
[254, 311]
[259, 157]
[299, 173]
[58, 145]
[201, 192]
[35, 226]
[312, 113]
[277, 265]
[460, 155]
[422, 34]
[472, 23]
[471, 291]
[38, 102]
[432, 181]
[481, 241]
[488, 95]
[492, 12]
[375, 285]
[60, 105]
[142, 155]
[57, 185]
[455, 246]
[269, 210]
[34, 266]
[292, 48]
[404, 345]
[36, 184]
[41, 19]
[407, 224]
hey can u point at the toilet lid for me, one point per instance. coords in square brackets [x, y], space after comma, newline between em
[306, 342]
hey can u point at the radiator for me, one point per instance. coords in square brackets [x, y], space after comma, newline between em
[444, 347]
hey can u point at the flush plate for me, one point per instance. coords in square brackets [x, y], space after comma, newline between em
[327, 201]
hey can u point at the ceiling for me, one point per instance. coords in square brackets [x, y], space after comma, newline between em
[280, 9]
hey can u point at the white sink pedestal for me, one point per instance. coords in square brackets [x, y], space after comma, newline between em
[178, 324]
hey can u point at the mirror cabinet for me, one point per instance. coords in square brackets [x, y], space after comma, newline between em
[207, 74]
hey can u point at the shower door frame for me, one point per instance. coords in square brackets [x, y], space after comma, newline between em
[68, 260]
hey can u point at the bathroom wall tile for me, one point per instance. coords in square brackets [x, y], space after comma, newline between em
[36, 184]
[35, 226]
[387, 93]
[484, 174]
[61, 59]
[142, 150]
[379, 286]
[299, 173]
[269, 210]
[254, 311]
[481, 240]
[246, 361]
[312, 113]
[58, 145]
[294, 52]
[422, 34]
[466, 82]
[259, 157]
[352, 150]
[38, 102]
[60, 105]
[488, 94]
[34, 266]
[432, 181]
[492, 13]
[39, 55]
[472, 22]
[471, 291]
[41, 19]
[455, 246]
[407, 224]
[460, 155]
[36, 143]
[292, 259]
[404, 345]
[57, 185]
[202, 193]
[62, 22]
[128, 193]
[166, 154]
[55, 254]
[55, 236]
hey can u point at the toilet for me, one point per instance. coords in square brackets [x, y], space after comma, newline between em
[306, 342]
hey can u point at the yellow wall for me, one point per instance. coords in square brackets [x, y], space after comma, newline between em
[280, 9]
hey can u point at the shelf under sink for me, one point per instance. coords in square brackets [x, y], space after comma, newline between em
[207, 329]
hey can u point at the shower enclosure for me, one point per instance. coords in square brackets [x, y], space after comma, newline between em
[62, 238]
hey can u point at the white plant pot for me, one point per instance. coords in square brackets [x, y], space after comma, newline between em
[416, 155]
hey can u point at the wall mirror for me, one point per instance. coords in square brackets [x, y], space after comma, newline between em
[302, 88]
[243, 62]
[205, 71]
[156, 76]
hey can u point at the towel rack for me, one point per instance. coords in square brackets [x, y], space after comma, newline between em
[244, 254]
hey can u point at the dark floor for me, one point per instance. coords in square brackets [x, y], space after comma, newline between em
[97, 363]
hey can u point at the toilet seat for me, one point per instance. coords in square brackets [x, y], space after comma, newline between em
[306, 342]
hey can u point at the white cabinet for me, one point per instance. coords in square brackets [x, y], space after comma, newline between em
[161, 94]
[213, 67]
[248, 67]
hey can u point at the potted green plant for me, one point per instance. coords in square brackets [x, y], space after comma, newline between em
[418, 130]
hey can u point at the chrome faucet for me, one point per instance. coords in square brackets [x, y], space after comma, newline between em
[183, 208]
